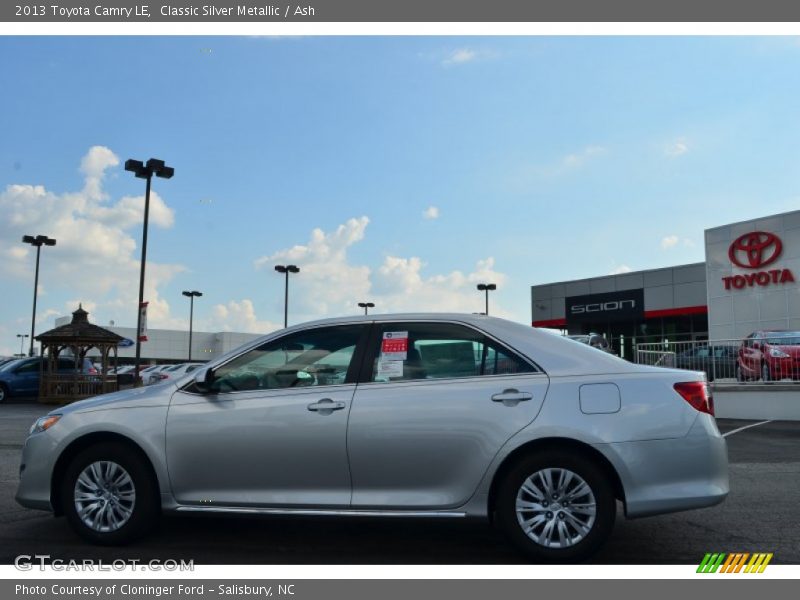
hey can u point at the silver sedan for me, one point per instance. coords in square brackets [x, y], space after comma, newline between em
[417, 415]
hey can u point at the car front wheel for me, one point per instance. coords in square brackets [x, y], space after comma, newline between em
[765, 373]
[3, 393]
[108, 495]
[556, 507]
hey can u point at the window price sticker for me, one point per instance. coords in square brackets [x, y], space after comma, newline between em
[394, 345]
[390, 368]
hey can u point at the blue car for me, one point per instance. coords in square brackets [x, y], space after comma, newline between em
[21, 377]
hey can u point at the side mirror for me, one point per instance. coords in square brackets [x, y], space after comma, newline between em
[203, 380]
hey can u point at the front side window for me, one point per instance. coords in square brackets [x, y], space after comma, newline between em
[308, 358]
[29, 367]
[413, 351]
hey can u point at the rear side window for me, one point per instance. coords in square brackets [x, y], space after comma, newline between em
[413, 351]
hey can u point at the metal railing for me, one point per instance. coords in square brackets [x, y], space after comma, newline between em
[723, 361]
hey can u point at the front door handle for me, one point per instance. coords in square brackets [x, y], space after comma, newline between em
[326, 406]
[511, 397]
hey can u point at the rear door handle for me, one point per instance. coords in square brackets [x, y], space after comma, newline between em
[511, 396]
[326, 406]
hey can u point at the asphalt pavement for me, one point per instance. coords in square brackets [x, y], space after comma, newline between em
[760, 515]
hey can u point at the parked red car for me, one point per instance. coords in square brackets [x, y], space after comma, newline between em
[769, 356]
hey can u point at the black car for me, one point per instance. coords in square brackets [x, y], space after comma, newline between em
[719, 362]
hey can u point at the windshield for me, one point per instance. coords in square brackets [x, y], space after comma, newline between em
[10, 364]
[784, 338]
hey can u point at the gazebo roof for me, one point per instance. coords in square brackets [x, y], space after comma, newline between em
[79, 331]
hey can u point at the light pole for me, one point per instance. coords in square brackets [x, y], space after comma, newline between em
[366, 306]
[191, 295]
[487, 287]
[145, 171]
[38, 242]
[22, 337]
[286, 269]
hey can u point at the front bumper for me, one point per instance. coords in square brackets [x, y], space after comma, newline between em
[36, 472]
[663, 476]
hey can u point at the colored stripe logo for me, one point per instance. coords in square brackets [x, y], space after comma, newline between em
[736, 562]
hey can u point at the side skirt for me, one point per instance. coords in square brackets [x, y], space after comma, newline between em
[321, 512]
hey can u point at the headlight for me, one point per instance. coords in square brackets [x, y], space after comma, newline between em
[776, 353]
[44, 423]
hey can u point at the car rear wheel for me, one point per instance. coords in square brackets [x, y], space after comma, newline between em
[109, 496]
[556, 507]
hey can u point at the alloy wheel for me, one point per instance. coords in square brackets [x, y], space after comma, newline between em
[556, 508]
[104, 496]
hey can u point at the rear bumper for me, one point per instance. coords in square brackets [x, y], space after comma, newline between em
[663, 476]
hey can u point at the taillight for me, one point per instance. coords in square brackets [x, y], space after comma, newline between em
[92, 371]
[162, 376]
[697, 394]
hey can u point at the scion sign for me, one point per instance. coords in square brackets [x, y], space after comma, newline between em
[608, 306]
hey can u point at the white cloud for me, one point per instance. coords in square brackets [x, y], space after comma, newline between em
[620, 270]
[329, 284]
[238, 316]
[578, 159]
[460, 56]
[96, 257]
[567, 163]
[676, 148]
[669, 241]
[432, 212]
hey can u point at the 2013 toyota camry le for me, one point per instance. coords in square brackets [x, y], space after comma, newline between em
[414, 415]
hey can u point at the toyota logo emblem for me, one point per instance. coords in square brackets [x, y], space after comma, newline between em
[755, 249]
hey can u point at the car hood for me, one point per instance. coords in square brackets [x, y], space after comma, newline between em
[135, 397]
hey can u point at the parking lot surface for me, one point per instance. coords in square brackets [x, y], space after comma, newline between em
[760, 515]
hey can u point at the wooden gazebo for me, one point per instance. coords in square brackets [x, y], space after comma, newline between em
[60, 385]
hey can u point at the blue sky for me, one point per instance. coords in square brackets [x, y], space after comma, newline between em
[401, 170]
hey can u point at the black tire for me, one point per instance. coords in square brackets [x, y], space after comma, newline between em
[145, 506]
[4, 395]
[739, 374]
[765, 373]
[586, 469]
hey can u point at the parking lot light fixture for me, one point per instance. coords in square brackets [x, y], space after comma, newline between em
[487, 287]
[191, 295]
[22, 337]
[366, 306]
[36, 241]
[145, 171]
[286, 269]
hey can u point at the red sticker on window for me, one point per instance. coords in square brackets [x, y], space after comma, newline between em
[394, 345]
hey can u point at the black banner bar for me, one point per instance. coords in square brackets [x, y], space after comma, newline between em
[731, 587]
[464, 11]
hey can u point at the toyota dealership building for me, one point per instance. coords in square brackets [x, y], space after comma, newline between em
[747, 282]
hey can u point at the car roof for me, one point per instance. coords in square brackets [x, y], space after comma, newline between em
[555, 354]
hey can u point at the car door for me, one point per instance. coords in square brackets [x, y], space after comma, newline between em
[272, 431]
[26, 377]
[435, 403]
